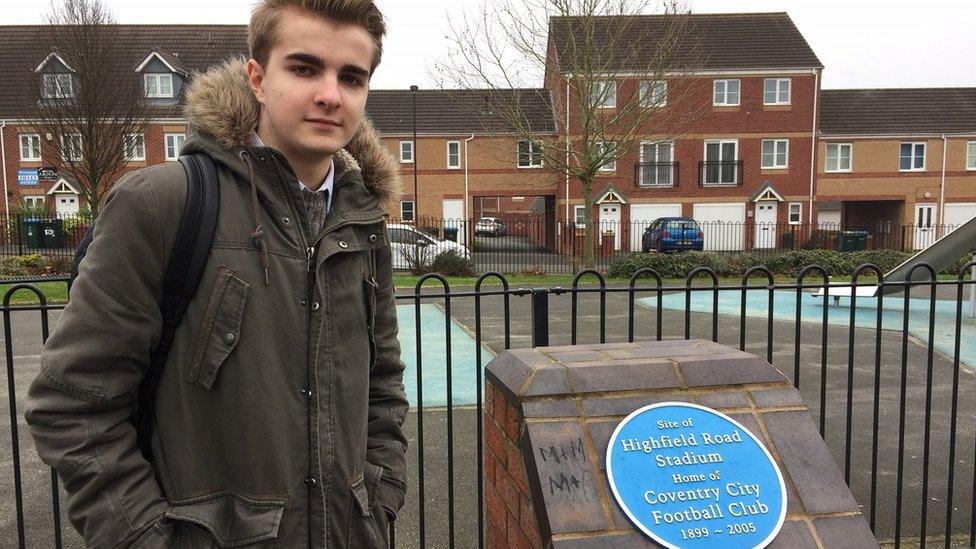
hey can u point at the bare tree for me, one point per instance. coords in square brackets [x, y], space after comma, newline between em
[577, 48]
[88, 97]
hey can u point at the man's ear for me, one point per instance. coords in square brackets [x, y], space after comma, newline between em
[255, 79]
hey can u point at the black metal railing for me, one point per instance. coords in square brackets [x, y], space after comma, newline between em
[720, 173]
[653, 175]
[888, 379]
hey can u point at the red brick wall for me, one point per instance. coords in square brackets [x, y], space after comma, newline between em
[511, 518]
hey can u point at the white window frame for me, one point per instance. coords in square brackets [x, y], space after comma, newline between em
[178, 139]
[774, 165]
[610, 166]
[735, 158]
[154, 85]
[779, 84]
[725, 92]
[457, 164]
[600, 97]
[640, 176]
[34, 202]
[576, 216]
[409, 148]
[137, 141]
[653, 93]
[850, 157]
[533, 145]
[65, 150]
[413, 211]
[971, 155]
[53, 85]
[24, 137]
[799, 213]
[912, 158]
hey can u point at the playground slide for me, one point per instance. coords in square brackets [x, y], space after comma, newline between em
[941, 254]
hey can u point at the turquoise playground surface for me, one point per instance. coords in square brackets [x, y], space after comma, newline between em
[434, 348]
[838, 314]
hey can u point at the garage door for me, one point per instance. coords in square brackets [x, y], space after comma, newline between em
[641, 217]
[722, 225]
[959, 213]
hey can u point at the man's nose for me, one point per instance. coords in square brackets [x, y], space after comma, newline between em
[328, 94]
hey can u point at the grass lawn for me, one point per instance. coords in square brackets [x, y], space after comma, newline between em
[55, 292]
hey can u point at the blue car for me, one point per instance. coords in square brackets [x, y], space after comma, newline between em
[673, 234]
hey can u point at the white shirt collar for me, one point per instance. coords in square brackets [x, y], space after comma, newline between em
[327, 184]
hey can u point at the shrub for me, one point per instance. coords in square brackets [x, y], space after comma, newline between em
[451, 263]
[35, 265]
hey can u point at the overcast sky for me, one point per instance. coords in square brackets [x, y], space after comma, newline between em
[862, 43]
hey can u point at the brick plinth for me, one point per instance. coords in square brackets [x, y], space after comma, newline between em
[551, 411]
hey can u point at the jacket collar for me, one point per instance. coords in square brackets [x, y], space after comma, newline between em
[220, 105]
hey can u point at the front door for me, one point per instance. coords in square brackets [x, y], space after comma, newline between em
[610, 222]
[66, 204]
[453, 211]
[924, 225]
[765, 225]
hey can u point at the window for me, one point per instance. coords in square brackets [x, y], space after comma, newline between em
[721, 163]
[58, 86]
[71, 147]
[775, 153]
[971, 155]
[653, 94]
[838, 157]
[796, 213]
[34, 203]
[134, 145]
[529, 154]
[605, 150]
[406, 210]
[453, 154]
[30, 147]
[159, 85]
[726, 93]
[406, 152]
[776, 91]
[579, 214]
[912, 157]
[604, 94]
[174, 142]
[656, 165]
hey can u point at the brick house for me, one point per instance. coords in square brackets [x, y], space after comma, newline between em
[744, 161]
[899, 163]
[165, 56]
[467, 162]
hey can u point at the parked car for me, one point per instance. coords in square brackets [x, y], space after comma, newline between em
[673, 234]
[410, 245]
[489, 226]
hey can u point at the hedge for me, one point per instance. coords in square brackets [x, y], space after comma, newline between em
[784, 263]
[34, 265]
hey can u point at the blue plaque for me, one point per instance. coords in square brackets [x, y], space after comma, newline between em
[689, 476]
[27, 177]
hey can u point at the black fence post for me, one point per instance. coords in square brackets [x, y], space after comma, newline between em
[20, 236]
[540, 317]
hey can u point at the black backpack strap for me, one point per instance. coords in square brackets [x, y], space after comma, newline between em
[183, 273]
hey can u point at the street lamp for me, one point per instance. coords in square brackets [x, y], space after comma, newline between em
[416, 197]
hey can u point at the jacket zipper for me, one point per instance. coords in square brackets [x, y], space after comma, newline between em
[309, 299]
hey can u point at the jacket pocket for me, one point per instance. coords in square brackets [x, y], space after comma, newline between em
[221, 328]
[231, 519]
[369, 298]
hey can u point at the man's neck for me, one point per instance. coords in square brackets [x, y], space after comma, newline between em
[310, 171]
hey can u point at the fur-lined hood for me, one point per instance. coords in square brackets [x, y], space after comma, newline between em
[220, 103]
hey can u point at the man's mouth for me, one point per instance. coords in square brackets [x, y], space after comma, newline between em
[323, 122]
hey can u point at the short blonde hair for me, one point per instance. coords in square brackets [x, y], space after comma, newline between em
[262, 33]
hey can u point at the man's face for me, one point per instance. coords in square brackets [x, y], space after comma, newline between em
[313, 87]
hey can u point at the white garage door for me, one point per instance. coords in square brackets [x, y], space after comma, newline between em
[958, 214]
[641, 217]
[722, 225]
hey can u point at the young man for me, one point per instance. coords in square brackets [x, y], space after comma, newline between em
[279, 410]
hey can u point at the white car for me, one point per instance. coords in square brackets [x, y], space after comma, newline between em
[410, 245]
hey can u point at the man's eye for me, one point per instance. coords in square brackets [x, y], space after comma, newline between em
[301, 70]
[352, 80]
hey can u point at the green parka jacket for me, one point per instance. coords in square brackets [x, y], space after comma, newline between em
[280, 407]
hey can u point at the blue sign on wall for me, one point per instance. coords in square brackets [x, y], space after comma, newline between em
[27, 177]
[689, 477]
